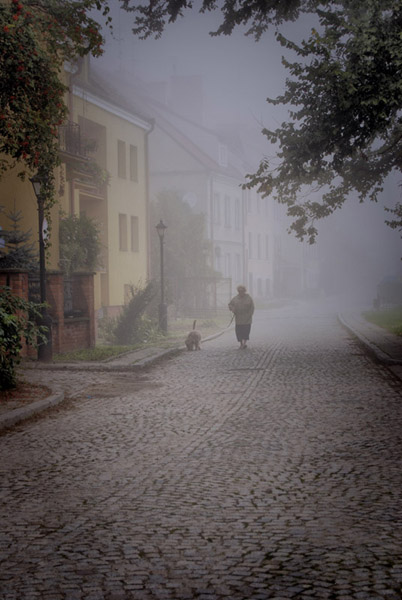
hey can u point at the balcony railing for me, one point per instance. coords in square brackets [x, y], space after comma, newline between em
[70, 140]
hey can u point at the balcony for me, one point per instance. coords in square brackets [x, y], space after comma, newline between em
[71, 144]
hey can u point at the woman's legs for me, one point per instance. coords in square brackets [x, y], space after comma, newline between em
[243, 334]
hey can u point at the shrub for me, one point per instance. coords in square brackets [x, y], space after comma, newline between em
[80, 246]
[128, 328]
[17, 321]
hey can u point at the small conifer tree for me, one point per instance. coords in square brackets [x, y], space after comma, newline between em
[17, 251]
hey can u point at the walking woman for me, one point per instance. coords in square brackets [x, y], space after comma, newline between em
[242, 306]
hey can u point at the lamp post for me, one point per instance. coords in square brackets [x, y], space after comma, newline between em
[161, 228]
[45, 351]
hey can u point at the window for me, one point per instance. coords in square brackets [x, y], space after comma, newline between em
[249, 202]
[267, 288]
[266, 246]
[277, 247]
[228, 265]
[250, 283]
[238, 268]
[259, 245]
[133, 163]
[122, 232]
[259, 286]
[223, 155]
[135, 242]
[237, 213]
[250, 245]
[121, 159]
[217, 209]
[218, 254]
[227, 211]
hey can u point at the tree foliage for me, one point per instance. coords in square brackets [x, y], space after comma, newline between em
[79, 240]
[186, 249]
[17, 321]
[345, 131]
[17, 251]
[344, 134]
[36, 37]
[151, 18]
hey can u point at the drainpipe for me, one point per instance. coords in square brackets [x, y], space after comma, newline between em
[74, 73]
[244, 224]
[147, 199]
[211, 226]
[211, 220]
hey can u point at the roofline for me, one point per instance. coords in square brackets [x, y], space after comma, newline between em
[112, 108]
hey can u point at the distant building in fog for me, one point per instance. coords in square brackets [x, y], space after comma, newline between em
[206, 168]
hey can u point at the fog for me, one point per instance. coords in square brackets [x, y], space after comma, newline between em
[236, 74]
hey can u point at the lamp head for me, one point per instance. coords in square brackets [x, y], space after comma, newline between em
[37, 184]
[160, 228]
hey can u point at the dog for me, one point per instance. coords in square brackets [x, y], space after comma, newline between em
[193, 339]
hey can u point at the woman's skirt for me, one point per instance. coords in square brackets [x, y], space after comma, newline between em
[242, 332]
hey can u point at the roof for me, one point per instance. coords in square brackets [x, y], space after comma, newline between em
[200, 142]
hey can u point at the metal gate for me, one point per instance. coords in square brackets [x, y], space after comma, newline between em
[201, 296]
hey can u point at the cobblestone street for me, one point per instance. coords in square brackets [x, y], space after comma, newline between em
[269, 473]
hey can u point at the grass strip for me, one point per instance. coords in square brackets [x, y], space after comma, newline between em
[389, 319]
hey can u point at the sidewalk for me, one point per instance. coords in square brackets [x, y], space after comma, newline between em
[382, 346]
[135, 361]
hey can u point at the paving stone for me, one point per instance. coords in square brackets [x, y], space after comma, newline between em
[267, 474]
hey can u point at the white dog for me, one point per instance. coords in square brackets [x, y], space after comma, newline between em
[193, 339]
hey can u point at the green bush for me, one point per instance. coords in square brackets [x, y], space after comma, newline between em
[17, 321]
[130, 325]
[79, 239]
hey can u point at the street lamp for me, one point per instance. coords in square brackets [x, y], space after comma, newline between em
[45, 351]
[161, 228]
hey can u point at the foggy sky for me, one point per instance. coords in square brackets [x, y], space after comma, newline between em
[238, 75]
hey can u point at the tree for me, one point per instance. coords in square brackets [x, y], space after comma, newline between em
[186, 247]
[345, 129]
[36, 38]
[345, 132]
[151, 18]
[17, 251]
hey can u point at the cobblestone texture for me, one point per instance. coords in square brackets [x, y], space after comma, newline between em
[270, 473]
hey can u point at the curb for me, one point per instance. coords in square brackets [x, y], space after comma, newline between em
[20, 414]
[141, 364]
[371, 348]
[105, 366]
[17, 415]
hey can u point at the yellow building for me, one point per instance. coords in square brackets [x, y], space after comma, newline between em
[104, 174]
[116, 138]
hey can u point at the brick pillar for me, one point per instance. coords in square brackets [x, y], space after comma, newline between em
[84, 300]
[16, 280]
[55, 299]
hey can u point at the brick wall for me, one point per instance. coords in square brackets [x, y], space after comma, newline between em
[76, 334]
[68, 334]
[16, 280]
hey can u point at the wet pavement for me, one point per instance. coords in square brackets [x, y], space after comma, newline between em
[267, 473]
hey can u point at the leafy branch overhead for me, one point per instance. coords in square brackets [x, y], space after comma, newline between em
[35, 40]
[344, 134]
